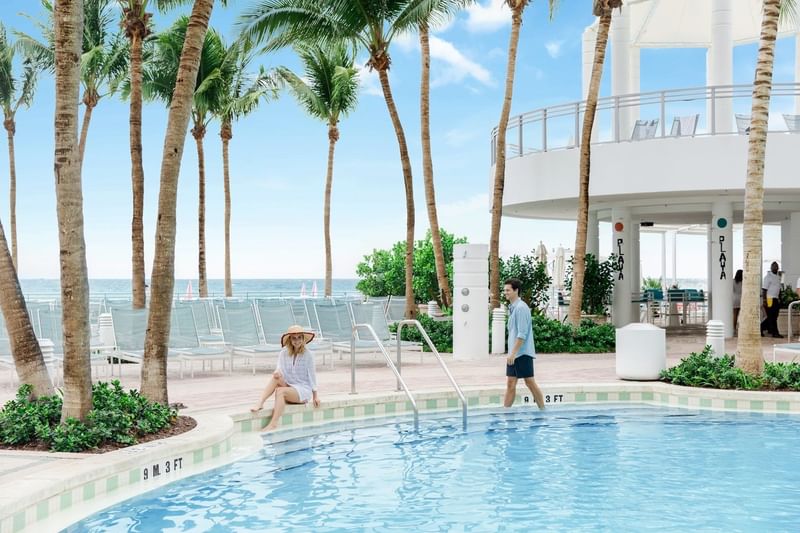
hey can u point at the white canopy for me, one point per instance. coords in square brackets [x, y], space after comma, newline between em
[687, 23]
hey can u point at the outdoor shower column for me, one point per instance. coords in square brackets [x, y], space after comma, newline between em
[720, 60]
[593, 235]
[721, 259]
[620, 246]
[621, 69]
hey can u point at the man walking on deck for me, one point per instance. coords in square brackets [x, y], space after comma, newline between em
[519, 363]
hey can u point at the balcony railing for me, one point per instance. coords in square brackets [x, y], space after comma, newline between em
[693, 112]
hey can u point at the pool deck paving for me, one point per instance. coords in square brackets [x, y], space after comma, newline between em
[220, 392]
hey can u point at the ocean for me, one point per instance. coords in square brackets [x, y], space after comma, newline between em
[121, 288]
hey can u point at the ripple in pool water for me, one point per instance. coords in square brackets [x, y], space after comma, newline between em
[606, 469]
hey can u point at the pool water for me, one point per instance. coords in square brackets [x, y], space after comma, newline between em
[611, 468]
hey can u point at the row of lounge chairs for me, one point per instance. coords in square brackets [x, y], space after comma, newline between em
[686, 126]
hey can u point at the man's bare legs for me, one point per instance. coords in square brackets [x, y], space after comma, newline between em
[283, 395]
[511, 392]
[538, 397]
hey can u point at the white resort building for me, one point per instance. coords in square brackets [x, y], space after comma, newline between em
[670, 158]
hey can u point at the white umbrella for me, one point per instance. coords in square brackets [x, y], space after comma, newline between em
[541, 253]
[559, 268]
[303, 290]
[188, 295]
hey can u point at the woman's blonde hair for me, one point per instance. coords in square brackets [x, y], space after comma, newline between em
[299, 351]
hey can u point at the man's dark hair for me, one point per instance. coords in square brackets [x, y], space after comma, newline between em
[514, 282]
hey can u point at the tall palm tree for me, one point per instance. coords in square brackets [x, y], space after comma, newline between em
[604, 10]
[162, 279]
[438, 9]
[517, 9]
[104, 55]
[15, 91]
[240, 96]
[750, 353]
[158, 82]
[329, 92]
[371, 25]
[68, 27]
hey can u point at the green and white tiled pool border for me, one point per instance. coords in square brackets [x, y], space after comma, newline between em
[69, 492]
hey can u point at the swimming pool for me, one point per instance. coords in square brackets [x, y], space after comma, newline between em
[610, 467]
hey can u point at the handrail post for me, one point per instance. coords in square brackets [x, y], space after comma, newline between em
[519, 125]
[713, 110]
[352, 361]
[616, 119]
[544, 129]
[577, 124]
[399, 352]
[663, 114]
[789, 318]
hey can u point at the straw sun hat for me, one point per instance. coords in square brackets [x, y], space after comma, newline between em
[296, 329]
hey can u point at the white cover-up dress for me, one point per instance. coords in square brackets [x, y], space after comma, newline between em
[299, 372]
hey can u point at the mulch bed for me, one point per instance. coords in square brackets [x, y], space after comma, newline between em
[181, 425]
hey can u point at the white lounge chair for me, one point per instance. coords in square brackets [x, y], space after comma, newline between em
[787, 348]
[743, 124]
[241, 333]
[644, 130]
[684, 126]
[792, 122]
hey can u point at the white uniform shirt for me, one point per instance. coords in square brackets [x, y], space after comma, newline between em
[772, 284]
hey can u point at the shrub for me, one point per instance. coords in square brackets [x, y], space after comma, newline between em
[440, 332]
[117, 417]
[553, 336]
[598, 283]
[534, 277]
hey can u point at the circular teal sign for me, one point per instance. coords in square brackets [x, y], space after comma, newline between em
[722, 223]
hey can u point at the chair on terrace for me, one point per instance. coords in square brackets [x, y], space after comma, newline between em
[743, 124]
[50, 328]
[242, 334]
[684, 126]
[792, 122]
[372, 314]
[276, 316]
[130, 327]
[396, 309]
[644, 130]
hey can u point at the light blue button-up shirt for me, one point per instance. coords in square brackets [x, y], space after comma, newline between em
[520, 327]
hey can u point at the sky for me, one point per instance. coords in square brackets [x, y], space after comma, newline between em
[278, 155]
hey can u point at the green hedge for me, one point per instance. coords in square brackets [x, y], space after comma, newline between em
[704, 370]
[117, 417]
[550, 336]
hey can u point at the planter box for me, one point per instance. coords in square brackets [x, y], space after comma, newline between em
[783, 321]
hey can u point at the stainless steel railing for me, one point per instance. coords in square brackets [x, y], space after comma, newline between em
[559, 127]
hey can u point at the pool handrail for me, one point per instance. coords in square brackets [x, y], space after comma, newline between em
[400, 381]
[411, 322]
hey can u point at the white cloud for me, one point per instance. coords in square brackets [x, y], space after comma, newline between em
[554, 48]
[488, 16]
[406, 41]
[458, 66]
[368, 79]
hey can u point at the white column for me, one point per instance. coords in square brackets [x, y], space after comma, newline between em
[721, 259]
[636, 269]
[621, 67]
[593, 235]
[620, 246]
[664, 282]
[790, 249]
[797, 70]
[635, 81]
[674, 257]
[720, 67]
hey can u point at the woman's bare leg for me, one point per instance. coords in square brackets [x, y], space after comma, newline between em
[283, 395]
[271, 386]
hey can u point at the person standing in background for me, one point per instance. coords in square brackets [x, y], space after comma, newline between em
[770, 292]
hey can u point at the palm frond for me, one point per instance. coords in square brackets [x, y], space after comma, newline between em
[433, 13]
[312, 103]
[29, 76]
[789, 12]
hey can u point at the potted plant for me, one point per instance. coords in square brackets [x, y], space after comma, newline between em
[787, 296]
[598, 287]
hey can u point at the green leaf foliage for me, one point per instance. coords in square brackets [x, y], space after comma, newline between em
[598, 283]
[439, 331]
[534, 277]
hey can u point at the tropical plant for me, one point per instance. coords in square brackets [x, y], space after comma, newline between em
[788, 295]
[517, 9]
[162, 280]
[598, 283]
[370, 25]
[382, 273]
[439, 9]
[651, 284]
[750, 355]
[68, 28]
[16, 90]
[240, 95]
[330, 92]
[103, 58]
[535, 280]
[602, 9]
[159, 78]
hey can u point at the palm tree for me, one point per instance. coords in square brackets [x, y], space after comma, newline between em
[162, 279]
[517, 8]
[159, 80]
[330, 92]
[750, 353]
[370, 25]
[68, 27]
[15, 91]
[104, 56]
[241, 94]
[440, 8]
[604, 10]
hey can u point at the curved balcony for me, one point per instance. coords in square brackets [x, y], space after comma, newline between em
[665, 148]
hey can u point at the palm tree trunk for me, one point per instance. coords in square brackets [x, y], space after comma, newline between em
[69, 203]
[199, 132]
[579, 258]
[137, 176]
[25, 349]
[408, 181]
[500, 162]
[11, 129]
[90, 104]
[226, 132]
[162, 280]
[427, 168]
[751, 357]
[333, 136]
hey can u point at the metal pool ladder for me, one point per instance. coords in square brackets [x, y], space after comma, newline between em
[401, 384]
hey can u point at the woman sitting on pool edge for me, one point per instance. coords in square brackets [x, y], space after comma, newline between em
[295, 379]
